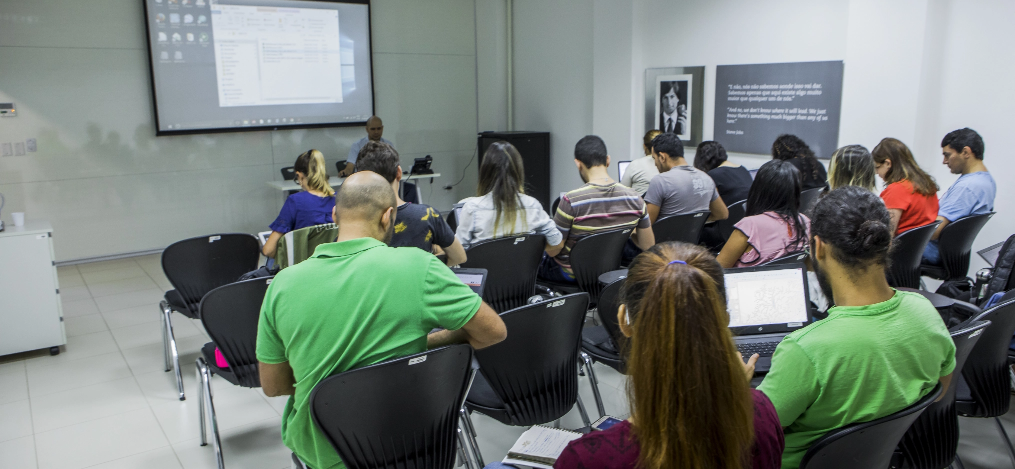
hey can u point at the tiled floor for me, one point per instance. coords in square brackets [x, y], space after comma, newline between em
[105, 401]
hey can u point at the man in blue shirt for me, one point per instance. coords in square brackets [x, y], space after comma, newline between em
[971, 194]
[375, 129]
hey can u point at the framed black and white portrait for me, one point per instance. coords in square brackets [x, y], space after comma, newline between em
[673, 101]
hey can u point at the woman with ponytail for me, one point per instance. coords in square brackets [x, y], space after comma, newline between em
[691, 402]
[311, 206]
[501, 207]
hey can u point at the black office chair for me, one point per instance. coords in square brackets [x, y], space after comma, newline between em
[402, 413]
[791, 258]
[229, 314]
[685, 228]
[532, 377]
[1001, 278]
[984, 388]
[553, 207]
[603, 343]
[932, 441]
[591, 257]
[809, 198]
[195, 267]
[453, 216]
[868, 444]
[906, 255]
[340, 165]
[511, 265]
[724, 228]
[954, 245]
[288, 173]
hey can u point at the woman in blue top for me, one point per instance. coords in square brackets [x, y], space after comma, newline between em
[312, 206]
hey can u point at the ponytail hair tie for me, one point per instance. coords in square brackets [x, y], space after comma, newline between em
[676, 262]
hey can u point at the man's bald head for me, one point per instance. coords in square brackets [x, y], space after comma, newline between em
[375, 128]
[364, 196]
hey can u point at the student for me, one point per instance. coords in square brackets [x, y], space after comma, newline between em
[910, 194]
[791, 148]
[312, 206]
[851, 165]
[502, 208]
[732, 181]
[602, 204]
[680, 188]
[773, 226]
[355, 303]
[971, 194]
[641, 171]
[879, 351]
[418, 225]
[691, 403]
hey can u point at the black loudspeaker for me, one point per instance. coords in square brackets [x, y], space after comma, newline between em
[535, 150]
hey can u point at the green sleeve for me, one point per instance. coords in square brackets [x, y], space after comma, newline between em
[447, 302]
[792, 383]
[270, 348]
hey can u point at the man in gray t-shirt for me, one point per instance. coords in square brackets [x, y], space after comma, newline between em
[680, 188]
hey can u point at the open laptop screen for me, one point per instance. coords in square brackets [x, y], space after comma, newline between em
[622, 168]
[474, 278]
[767, 299]
[990, 254]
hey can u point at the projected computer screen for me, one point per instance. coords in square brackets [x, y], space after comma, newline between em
[222, 65]
[765, 297]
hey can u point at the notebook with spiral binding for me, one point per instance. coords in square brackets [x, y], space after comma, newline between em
[540, 446]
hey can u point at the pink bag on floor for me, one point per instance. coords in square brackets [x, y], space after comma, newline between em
[220, 360]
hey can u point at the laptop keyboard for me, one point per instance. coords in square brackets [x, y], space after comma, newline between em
[764, 349]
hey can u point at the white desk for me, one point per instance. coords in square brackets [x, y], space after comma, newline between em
[336, 181]
[31, 316]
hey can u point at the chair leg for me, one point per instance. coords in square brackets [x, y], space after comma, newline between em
[163, 306]
[471, 435]
[595, 384]
[1007, 441]
[581, 410]
[174, 352]
[210, 405]
[463, 458]
[200, 400]
[1011, 376]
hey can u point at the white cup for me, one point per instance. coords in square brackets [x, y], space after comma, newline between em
[19, 218]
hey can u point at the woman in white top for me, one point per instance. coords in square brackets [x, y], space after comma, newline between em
[502, 209]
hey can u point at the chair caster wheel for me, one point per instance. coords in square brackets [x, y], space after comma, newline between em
[54, 351]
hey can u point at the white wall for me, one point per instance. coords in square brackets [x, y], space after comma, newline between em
[78, 73]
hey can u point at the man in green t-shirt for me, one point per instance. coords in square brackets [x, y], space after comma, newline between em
[354, 303]
[879, 351]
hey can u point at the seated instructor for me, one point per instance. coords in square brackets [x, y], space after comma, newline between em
[879, 351]
[311, 328]
[375, 130]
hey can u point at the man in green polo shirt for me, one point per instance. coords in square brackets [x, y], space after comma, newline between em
[357, 302]
[879, 351]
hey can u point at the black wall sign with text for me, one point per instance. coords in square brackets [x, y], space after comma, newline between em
[756, 103]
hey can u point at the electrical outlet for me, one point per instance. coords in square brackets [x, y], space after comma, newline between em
[19, 148]
[5, 149]
[30, 145]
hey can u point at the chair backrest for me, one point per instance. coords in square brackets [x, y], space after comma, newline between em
[452, 216]
[553, 207]
[791, 258]
[933, 439]
[198, 265]
[685, 228]
[535, 370]
[906, 254]
[956, 242]
[868, 444]
[1001, 278]
[401, 413]
[809, 198]
[298, 245]
[340, 165]
[986, 371]
[595, 255]
[737, 211]
[609, 302]
[229, 314]
[288, 173]
[511, 265]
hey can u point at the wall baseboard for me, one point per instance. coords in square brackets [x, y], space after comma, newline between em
[109, 257]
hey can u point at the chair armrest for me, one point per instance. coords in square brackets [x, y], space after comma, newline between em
[949, 308]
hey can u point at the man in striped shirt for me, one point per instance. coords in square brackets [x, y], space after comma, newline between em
[602, 204]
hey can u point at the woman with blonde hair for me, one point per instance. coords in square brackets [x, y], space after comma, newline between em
[311, 206]
[851, 165]
[910, 193]
[688, 387]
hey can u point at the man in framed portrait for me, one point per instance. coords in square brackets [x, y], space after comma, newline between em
[673, 117]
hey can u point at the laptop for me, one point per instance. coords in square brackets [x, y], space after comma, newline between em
[990, 254]
[765, 304]
[263, 237]
[474, 278]
[622, 166]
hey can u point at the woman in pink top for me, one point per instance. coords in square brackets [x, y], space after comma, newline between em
[773, 227]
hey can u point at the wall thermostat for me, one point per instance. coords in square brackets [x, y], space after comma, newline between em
[7, 110]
